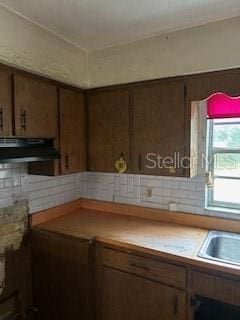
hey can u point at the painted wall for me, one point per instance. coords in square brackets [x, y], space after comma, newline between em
[210, 47]
[31, 47]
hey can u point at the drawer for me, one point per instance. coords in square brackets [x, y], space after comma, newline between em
[217, 288]
[152, 269]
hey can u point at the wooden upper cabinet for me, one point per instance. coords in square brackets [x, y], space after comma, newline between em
[36, 108]
[72, 131]
[158, 128]
[108, 124]
[6, 103]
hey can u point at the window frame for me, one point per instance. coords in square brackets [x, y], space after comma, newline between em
[210, 152]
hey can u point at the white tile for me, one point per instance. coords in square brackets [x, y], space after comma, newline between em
[186, 208]
[6, 173]
[45, 192]
[195, 195]
[187, 185]
[187, 201]
[179, 193]
[161, 192]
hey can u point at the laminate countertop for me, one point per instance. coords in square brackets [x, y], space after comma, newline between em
[178, 243]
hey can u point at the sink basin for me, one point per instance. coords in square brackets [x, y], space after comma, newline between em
[222, 247]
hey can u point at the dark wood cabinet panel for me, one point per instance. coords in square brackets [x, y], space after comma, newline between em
[125, 296]
[216, 287]
[72, 131]
[148, 268]
[61, 267]
[201, 86]
[6, 124]
[158, 128]
[36, 108]
[108, 125]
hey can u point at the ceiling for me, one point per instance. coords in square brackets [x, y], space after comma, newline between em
[95, 24]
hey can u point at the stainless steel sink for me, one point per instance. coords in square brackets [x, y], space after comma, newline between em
[222, 247]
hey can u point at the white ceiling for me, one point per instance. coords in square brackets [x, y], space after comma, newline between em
[95, 24]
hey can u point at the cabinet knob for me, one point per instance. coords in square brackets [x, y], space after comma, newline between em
[1, 118]
[66, 162]
[176, 306]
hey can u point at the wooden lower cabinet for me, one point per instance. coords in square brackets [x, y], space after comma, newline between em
[62, 277]
[78, 279]
[211, 286]
[126, 296]
[131, 286]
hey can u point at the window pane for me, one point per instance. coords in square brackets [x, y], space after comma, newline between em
[226, 190]
[226, 133]
[227, 164]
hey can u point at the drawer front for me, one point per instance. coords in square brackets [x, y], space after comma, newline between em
[148, 268]
[217, 288]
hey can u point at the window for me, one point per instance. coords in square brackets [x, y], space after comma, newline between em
[223, 162]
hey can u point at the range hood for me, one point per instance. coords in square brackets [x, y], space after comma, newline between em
[27, 150]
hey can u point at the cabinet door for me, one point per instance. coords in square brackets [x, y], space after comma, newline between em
[159, 128]
[61, 268]
[108, 116]
[36, 108]
[5, 103]
[72, 131]
[125, 296]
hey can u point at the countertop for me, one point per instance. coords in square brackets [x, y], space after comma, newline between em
[178, 243]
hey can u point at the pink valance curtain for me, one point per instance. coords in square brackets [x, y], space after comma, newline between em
[220, 105]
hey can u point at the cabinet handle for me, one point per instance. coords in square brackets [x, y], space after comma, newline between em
[66, 162]
[176, 306]
[23, 120]
[1, 118]
[136, 265]
[139, 162]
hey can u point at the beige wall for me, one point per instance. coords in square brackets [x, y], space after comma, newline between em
[211, 47]
[28, 46]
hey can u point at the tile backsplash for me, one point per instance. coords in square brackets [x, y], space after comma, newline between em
[186, 195]
[43, 192]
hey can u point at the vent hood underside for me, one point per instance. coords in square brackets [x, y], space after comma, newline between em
[27, 150]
